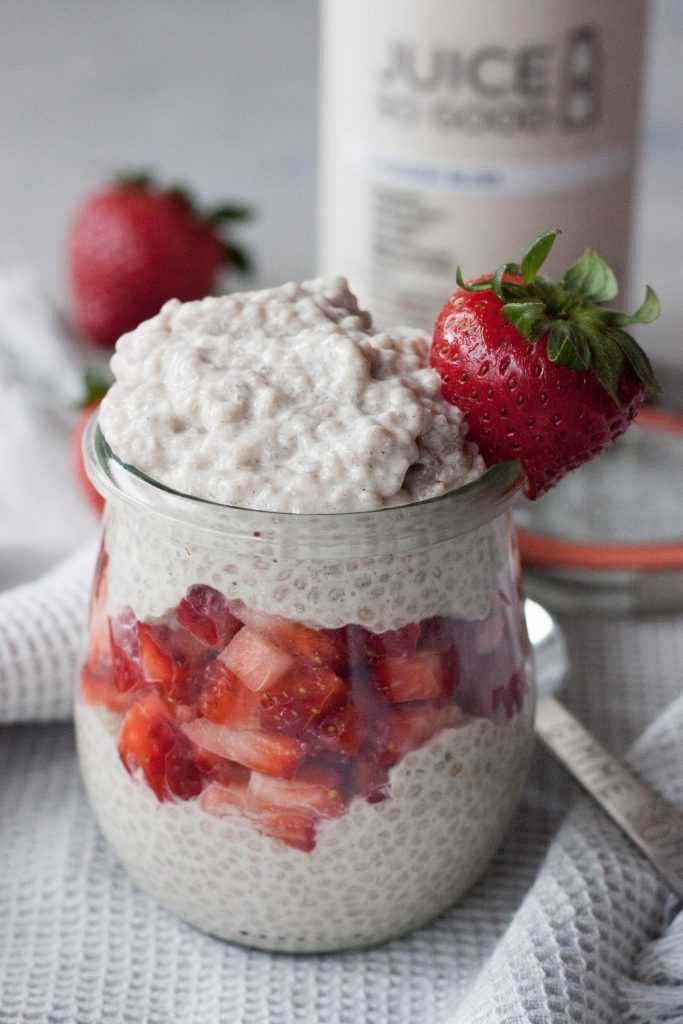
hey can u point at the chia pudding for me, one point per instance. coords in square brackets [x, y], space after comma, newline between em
[305, 715]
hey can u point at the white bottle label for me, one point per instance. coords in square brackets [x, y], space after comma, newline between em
[454, 131]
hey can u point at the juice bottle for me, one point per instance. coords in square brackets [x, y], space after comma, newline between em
[452, 131]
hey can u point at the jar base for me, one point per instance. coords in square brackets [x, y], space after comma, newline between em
[380, 871]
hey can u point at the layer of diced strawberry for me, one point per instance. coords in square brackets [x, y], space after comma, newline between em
[256, 661]
[204, 612]
[278, 722]
[287, 826]
[267, 752]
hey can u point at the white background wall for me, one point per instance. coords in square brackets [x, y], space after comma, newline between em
[222, 93]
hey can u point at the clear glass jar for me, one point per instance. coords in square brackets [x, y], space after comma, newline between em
[304, 732]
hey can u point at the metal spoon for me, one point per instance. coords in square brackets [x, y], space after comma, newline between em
[649, 821]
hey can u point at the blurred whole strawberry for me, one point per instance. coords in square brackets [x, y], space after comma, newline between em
[132, 246]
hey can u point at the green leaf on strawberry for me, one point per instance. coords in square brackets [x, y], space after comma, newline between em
[592, 279]
[546, 372]
[646, 313]
[528, 318]
[537, 254]
[229, 212]
[95, 387]
[567, 347]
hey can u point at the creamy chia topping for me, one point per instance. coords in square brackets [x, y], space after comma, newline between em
[285, 400]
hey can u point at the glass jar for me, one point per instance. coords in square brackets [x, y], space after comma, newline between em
[304, 732]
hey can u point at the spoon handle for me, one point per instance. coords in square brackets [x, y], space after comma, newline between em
[653, 824]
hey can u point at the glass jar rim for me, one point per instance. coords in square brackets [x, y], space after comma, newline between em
[451, 514]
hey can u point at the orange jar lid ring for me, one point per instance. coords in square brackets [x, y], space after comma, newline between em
[545, 551]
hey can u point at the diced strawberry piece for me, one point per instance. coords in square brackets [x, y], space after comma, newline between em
[185, 768]
[424, 675]
[158, 664]
[221, 799]
[146, 738]
[394, 642]
[224, 699]
[295, 830]
[204, 612]
[440, 632]
[301, 697]
[107, 679]
[186, 648]
[266, 752]
[314, 646]
[371, 779]
[255, 660]
[338, 731]
[316, 791]
[172, 661]
[311, 645]
[358, 647]
[125, 648]
[290, 828]
[99, 689]
[408, 728]
[152, 743]
[217, 769]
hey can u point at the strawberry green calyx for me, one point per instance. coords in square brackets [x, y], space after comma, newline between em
[213, 217]
[95, 388]
[581, 333]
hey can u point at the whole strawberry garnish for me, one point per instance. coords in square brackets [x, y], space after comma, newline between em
[95, 390]
[132, 246]
[545, 373]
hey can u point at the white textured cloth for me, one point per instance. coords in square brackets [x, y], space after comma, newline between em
[42, 635]
[568, 926]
